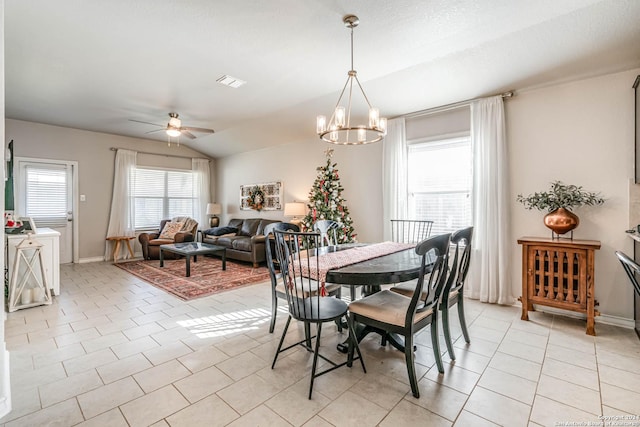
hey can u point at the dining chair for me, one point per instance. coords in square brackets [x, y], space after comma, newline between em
[395, 313]
[453, 292]
[410, 230]
[328, 231]
[307, 302]
[277, 291]
[631, 268]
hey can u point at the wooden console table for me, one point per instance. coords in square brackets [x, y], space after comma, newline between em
[559, 273]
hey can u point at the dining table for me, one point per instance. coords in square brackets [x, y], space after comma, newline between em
[392, 268]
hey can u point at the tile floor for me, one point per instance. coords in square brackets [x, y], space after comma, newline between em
[114, 351]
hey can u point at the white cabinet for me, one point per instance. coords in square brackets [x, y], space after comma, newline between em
[50, 255]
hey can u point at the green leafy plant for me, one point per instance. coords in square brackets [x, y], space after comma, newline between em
[560, 196]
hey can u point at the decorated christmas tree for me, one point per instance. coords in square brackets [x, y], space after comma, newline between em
[326, 202]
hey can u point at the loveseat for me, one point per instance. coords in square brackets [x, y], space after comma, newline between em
[243, 238]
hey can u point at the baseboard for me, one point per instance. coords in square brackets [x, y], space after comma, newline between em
[137, 255]
[605, 319]
[93, 259]
[5, 388]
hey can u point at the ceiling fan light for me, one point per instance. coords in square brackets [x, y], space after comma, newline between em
[173, 132]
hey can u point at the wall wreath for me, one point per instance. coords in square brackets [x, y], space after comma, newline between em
[255, 200]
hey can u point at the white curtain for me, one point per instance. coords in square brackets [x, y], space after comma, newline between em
[394, 174]
[201, 194]
[489, 279]
[122, 217]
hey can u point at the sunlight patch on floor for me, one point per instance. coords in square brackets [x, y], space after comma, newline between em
[227, 323]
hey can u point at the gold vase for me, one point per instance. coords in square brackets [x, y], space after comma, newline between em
[561, 221]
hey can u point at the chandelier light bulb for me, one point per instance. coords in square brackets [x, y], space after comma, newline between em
[333, 135]
[374, 117]
[340, 116]
[321, 124]
[362, 134]
[382, 125]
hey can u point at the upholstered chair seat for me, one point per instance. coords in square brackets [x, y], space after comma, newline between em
[387, 307]
[331, 289]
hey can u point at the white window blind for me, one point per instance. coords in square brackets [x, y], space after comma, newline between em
[46, 191]
[440, 182]
[160, 194]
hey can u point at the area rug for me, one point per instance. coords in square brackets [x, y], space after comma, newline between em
[207, 276]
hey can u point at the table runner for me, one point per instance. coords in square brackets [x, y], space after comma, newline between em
[346, 257]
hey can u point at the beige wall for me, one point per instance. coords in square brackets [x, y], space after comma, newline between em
[95, 167]
[579, 132]
[295, 165]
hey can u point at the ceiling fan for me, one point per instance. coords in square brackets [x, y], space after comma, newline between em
[174, 127]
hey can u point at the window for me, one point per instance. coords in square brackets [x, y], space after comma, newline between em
[160, 194]
[440, 182]
[46, 194]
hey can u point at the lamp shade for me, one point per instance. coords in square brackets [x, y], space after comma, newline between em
[214, 209]
[294, 209]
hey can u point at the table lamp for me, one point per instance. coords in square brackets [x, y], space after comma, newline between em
[296, 210]
[214, 209]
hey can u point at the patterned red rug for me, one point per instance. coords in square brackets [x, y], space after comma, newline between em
[207, 277]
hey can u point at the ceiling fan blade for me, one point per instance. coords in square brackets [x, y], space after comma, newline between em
[155, 130]
[187, 133]
[146, 123]
[204, 130]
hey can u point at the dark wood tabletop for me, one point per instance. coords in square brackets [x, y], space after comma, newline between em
[393, 268]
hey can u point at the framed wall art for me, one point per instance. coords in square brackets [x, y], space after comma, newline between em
[265, 196]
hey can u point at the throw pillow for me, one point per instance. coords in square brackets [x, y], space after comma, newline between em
[219, 231]
[171, 229]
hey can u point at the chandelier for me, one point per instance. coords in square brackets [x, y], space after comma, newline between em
[339, 129]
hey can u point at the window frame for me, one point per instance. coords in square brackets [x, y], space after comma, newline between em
[165, 198]
[444, 139]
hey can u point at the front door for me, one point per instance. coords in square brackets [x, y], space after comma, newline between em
[44, 192]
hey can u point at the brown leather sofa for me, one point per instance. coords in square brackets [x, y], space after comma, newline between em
[151, 242]
[245, 244]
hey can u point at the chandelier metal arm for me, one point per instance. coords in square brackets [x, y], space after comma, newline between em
[349, 103]
[362, 90]
[351, 48]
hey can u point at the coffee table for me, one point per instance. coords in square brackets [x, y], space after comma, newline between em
[193, 249]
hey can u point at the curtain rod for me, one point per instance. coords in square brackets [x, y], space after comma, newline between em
[156, 154]
[447, 107]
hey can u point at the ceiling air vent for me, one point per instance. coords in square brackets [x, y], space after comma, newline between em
[230, 81]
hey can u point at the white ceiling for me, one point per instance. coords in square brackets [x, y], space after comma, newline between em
[96, 64]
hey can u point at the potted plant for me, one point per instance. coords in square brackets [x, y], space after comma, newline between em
[558, 201]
